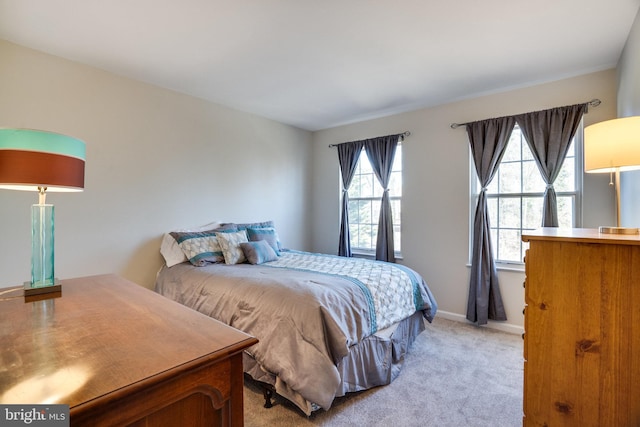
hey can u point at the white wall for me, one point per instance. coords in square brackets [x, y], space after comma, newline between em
[435, 205]
[156, 161]
[629, 105]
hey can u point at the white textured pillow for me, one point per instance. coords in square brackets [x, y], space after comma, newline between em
[171, 251]
[230, 245]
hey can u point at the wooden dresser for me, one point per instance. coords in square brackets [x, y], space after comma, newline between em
[582, 329]
[119, 354]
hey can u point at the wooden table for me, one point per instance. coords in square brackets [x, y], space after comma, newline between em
[120, 354]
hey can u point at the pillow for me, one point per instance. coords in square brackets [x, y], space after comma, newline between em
[230, 244]
[170, 250]
[267, 234]
[258, 252]
[199, 247]
[263, 224]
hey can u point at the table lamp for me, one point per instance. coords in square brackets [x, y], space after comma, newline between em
[613, 146]
[35, 160]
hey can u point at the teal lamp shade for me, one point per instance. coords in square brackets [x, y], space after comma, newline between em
[35, 160]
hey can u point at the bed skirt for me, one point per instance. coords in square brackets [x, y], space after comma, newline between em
[373, 362]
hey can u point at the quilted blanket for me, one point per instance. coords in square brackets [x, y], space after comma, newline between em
[392, 290]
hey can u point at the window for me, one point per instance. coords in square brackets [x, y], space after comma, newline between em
[365, 193]
[515, 196]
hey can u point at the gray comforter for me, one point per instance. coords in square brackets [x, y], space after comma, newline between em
[305, 320]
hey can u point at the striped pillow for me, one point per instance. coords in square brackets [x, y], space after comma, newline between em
[200, 247]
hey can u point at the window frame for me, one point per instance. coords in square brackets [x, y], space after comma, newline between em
[475, 187]
[397, 219]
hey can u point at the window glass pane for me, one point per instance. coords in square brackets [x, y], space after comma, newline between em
[492, 206]
[510, 178]
[565, 211]
[572, 150]
[532, 180]
[373, 236]
[492, 188]
[354, 212]
[509, 211]
[526, 151]
[363, 163]
[395, 211]
[512, 152]
[353, 234]
[365, 211]
[566, 180]
[531, 212]
[366, 188]
[354, 189]
[509, 245]
[377, 189]
[395, 184]
[397, 160]
[375, 212]
[494, 238]
[397, 238]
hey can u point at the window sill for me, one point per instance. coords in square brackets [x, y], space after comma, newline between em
[371, 255]
[516, 268]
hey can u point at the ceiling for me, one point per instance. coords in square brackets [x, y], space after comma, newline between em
[320, 64]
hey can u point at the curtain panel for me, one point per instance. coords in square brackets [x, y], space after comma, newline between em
[348, 154]
[381, 152]
[488, 140]
[549, 134]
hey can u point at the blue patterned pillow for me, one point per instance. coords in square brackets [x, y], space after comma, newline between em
[244, 226]
[230, 244]
[200, 247]
[268, 234]
[258, 252]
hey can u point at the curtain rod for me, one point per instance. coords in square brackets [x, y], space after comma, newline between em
[404, 134]
[593, 103]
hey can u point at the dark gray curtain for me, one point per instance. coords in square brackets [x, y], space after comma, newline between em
[549, 134]
[348, 154]
[381, 152]
[488, 140]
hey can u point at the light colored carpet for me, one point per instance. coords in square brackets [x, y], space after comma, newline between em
[456, 374]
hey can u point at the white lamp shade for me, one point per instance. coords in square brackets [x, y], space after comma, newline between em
[612, 144]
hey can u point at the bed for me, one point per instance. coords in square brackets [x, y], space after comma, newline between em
[326, 325]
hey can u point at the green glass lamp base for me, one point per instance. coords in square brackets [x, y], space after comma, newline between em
[42, 246]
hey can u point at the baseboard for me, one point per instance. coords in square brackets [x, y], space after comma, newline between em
[500, 326]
